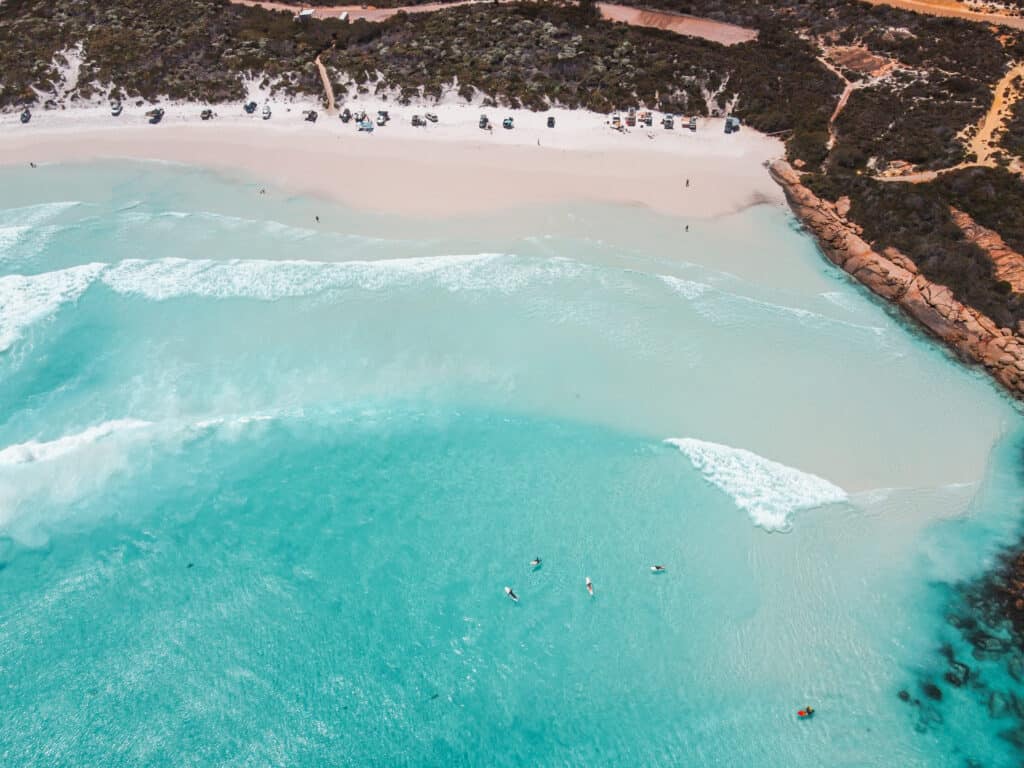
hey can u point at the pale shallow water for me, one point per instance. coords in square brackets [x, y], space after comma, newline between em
[263, 480]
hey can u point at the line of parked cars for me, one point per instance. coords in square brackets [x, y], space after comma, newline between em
[646, 119]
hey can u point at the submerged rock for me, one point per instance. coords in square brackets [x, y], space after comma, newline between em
[987, 647]
[932, 691]
[961, 622]
[1015, 668]
[958, 674]
[1015, 736]
[998, 705]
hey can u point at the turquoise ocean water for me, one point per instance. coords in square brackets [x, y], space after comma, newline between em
[263, 481]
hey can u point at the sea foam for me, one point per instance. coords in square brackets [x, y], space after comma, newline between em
[766, 490]
[31, 215]
[690, 289]
[27, 299]
[9, 237]
[35, 451]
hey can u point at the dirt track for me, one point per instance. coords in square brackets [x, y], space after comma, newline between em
[954, 9]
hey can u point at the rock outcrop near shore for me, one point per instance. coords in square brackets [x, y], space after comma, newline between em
[891, 275]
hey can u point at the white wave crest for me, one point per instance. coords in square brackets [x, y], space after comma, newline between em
[30, 215]
[27, 299]
[768, 491]
[34, 451]
[688, 288]
[270, 280]
[9, 237]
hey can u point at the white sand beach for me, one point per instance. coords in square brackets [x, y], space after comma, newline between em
[446, 168]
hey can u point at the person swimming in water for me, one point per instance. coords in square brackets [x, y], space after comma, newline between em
[806, 712]
[590, 586]
[514, 597]
[535, 562]
[657, 568]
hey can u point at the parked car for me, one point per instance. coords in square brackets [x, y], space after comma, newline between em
[310, 115]
[250, 107]
[551, 121]
[507, 124]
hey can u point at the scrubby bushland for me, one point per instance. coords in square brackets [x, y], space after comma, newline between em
[1013, 140]
[993, 197]
[916, 219]
[946, 70]
[189, 49]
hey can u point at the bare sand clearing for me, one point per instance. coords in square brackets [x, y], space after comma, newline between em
[716, 31]
[355, 12]
[450, 167]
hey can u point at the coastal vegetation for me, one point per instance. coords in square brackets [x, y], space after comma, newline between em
[1013, 138]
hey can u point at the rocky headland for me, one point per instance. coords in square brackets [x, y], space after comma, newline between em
[974, 336]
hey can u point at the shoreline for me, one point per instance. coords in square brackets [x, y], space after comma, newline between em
[972, 336]
[447, 168]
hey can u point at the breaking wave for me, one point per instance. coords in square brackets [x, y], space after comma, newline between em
[9, 237]
[691, 289]
[41, 479]
[27, 299]
[31, 215]
[35, 451]
[766, 490]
